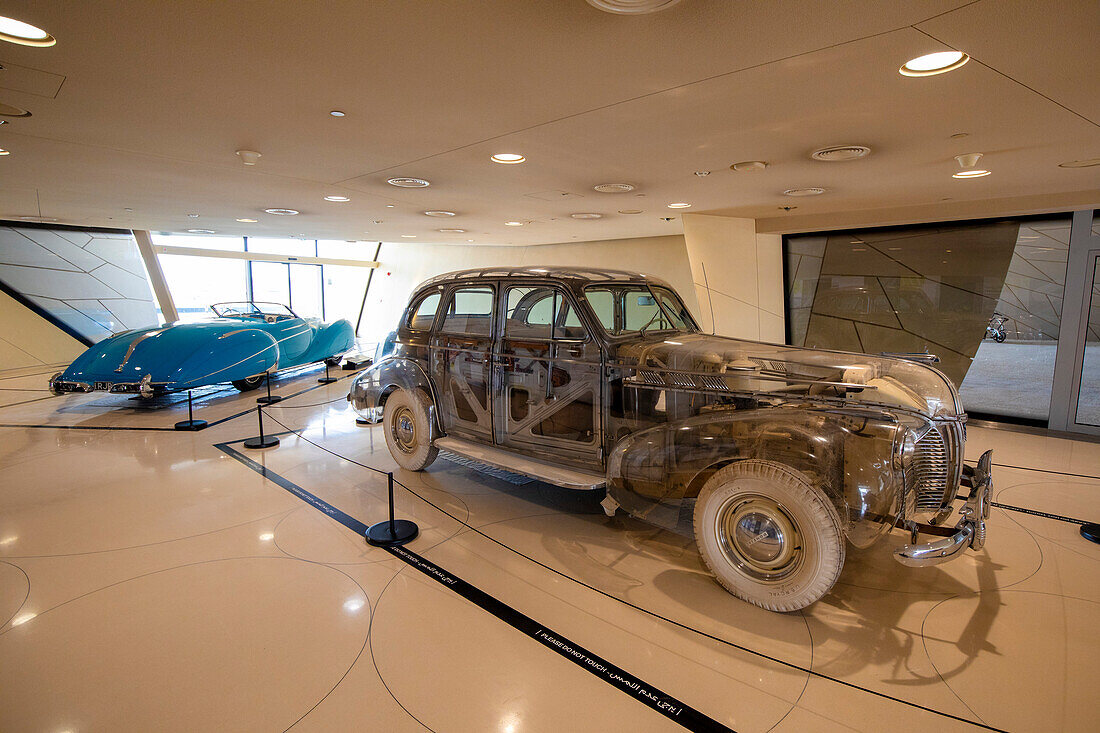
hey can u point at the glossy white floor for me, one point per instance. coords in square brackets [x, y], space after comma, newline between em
[151, 581]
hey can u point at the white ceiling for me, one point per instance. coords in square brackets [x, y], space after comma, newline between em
[141, 106]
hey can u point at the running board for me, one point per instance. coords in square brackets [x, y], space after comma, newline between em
[569, 478]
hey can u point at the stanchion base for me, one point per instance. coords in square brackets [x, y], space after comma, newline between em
[269, 400]
[268, 441]
[381, 536]
[361, 421]
[190, 425]
[1091, 532]
[327, 380]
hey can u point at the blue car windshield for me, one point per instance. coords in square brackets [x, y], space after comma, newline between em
[251, 310]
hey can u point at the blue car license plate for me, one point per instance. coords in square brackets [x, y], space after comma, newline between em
[105, 386]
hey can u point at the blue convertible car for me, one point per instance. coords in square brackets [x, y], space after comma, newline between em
[243, 343]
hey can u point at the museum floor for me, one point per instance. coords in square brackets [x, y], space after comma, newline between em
[158, 580]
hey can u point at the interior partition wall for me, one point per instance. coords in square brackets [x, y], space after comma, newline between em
[1001, 302]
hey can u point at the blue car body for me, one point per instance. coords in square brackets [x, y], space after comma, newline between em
[240, 346]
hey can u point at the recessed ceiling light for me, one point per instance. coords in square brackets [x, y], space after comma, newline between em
[337, 199]
[630, 211]
[812, 191]
[249, 157]
[839, 153]
[960, 135]
[4, 152]
[192, 216]
[977, 173]
[438, 212]
[3, 122]
[453, 231]
[614, 187]
[749, 166]
[281, 212]
[1080, 163]
[513, 223]
[408, 182]
[202, 231]
[587, 215]
[41, 218]
[336, 113]
[680, 205]
[632, 7]
[390, 206]
[934, 63]
[507, 158]
[25, 34]
[788, 208]
[409, 236]
[247, 221]
[702, 174]
[9, 110]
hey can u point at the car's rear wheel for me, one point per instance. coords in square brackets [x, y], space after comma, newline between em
[407, 424]
[768, 535]
[248, 383]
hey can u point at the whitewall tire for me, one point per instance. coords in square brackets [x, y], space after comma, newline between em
[768, 535]
[407, 424]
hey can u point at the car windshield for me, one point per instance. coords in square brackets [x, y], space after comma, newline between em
[633, 308]
[252, 310]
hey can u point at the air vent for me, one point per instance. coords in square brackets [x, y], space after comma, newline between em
[408, 182]
[439, 212]
[282, 212]
[813, 191]
[614, 187]
[839, 153]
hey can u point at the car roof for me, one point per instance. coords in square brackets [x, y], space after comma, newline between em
[583, 275]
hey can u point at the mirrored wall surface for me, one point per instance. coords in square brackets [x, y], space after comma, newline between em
[986, 297]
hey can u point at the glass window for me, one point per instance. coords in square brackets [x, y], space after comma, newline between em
[338, 249]
[291, 247]
[1088, 397]
[198, 282]
[424, 315]
[305, 291]
[344, 288]
[529, 314]
[270, 282]
[470, 311]
[603, 305]
[226, 244]
[638, 308]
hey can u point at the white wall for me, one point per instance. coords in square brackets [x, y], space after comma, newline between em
[28, 340]
[405, 265]
[737, 275]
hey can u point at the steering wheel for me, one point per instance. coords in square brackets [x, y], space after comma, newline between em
[270, 319]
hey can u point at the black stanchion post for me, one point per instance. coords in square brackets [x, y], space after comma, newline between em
[395, 531]
[326, 379]
[261, 441]
[1091, 532]
[270, 399]
[190, 423]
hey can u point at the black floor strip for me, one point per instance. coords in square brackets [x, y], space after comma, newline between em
[1037, 513]
[360, 528]
[643, 692]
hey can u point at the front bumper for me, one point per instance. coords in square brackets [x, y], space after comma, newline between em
[60, 386]
[970, 529]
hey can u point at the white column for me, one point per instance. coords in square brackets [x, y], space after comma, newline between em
[156, 275]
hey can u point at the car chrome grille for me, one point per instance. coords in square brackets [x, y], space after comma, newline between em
[926, 473]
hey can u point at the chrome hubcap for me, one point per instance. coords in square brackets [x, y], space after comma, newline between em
[403, 429]
[758, 537]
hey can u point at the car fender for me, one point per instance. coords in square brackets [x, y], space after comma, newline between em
[233, 355]
[331, 339]
[373, 385]
[656, 474]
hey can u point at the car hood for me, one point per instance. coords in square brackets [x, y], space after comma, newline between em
[794, 372]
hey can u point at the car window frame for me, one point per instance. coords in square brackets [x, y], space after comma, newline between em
[494, 314]
[553, 285]
[620, 308]
[410, 312]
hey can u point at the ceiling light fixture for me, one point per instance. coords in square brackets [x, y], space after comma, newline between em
[337, 113]
[282, 212]
[439, 212]
[453, 231]
[507, 158]
[934, 63]
[749, 166]
[1080, 163]
[390, 206]
[702, 174]
[192, 216]
[25, 34]
[614, 187]
[632, 7]
[679, 205]
[248, 221]
[249, 157]
[811, 191]
[409, 236]
[513, 223]
[840, 153]
[630, 211]
[4, 152]
[201, 231]
[976, 173]
[337, 199]
[9, 110]
[587, 215]
[408, 182]
[967, 162]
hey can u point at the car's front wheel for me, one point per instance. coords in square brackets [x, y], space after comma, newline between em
[407, 423]
[768, 535]
[248, 383]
